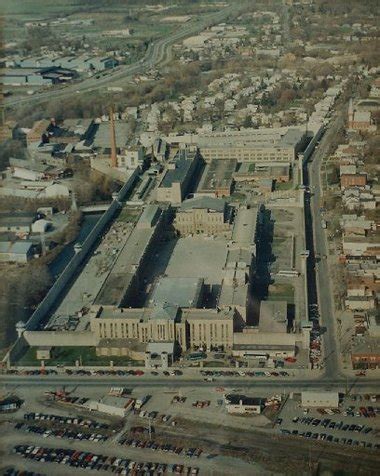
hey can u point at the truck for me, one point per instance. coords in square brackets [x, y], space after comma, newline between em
[140, 402]
[324, 224]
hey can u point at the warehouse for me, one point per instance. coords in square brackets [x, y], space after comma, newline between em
[242, 405]
[115, 406]
[178, 178]
[17, 252]
[16, 223]
[217, 179]
[320, 399]
[264, 345]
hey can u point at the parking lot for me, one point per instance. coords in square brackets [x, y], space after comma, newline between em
[47, 436]
[98, 462]
[355, 423]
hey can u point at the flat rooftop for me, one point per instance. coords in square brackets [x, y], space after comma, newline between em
[195, 257]
[102, 137]
[282, 137]
[178, 173]
[273, 316]
[183, 292]
[217, 174]
[244, 230]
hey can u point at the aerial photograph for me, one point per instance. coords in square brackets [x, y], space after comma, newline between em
[190, 237]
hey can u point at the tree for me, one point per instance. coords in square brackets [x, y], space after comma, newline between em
[8, 149]
[247, 123]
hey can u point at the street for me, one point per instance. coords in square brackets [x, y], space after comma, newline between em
[324, 285]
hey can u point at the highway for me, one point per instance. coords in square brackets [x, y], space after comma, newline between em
[157, 54]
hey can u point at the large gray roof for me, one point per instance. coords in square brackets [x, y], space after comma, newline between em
[178, 174]
[17, 247]
[183, 292]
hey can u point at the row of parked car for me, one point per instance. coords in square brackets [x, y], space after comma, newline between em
[18, 472]
[91, 461]
[66, 420]
[315, 337]
[31, 372]
[243, 373]
[367, 412]
[57, 433]
[153, 415]
[331, 438]
[166, 448]
[333, 425]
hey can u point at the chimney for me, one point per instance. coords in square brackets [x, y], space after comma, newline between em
[113, 140]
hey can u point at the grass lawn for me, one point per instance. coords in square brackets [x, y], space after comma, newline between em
[281, 292]
[69, 355]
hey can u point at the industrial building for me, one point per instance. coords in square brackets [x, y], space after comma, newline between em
[252, 172]
[264, 145]
[179, 177]
[36, 77]
[264, 345]
[273, 316]
[110, 405]
[217, 179]
[79, 64]
[320, 399]
[242, 405]
[19, 223]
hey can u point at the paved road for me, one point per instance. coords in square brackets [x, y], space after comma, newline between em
[323, 276]
[341, 384]
[156, 55]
